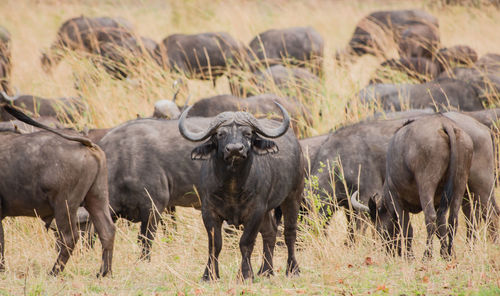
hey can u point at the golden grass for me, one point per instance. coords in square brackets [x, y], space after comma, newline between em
[328, 267]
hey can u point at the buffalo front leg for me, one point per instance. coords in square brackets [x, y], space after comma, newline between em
[407, 232]
[247, 242]
[213, 225]
[268, 230]
[290, 208]
[149, 225]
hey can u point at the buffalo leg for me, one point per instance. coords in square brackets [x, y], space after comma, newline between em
[213, 225]
[268, 230]
[98, 207]
[453, 224]
[2, 244]
[407, 235]
[426, 200]
[149, 225]
[442, 233]
[247, 242]
[290, 208]
[68, 235]
[472, 214]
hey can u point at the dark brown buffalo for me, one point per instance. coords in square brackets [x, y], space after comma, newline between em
[121, 57]
[242, 182]
[439, 94]
[260, 106]
[356, 155]
[201, 56]
[299, 46]
[45, 175]
[292, 82]
[427, 167]
[61, 108]
[372, 33]
[85, 34]
[5, 60]
[422, 69]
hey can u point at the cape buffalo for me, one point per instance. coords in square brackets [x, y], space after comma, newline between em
[201, 56]
[241, 182]
[427, 166]
[355, 155]
[456, 55]
[422, 69]
[149, 169]
[85, 34]
[61, 108]
[292, 82]
[50, 178]
[260, 106]
[414, 31]
[300, 46]
[439, 94]
[5, 60]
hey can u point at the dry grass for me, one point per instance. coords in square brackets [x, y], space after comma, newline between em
[328, 267]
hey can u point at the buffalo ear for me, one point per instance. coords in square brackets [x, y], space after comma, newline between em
[203, 151]
[372, 205]
[262, 146]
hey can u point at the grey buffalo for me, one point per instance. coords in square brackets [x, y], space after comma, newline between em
[203, 56]
[64, 109]
[300, 46]
[243, 178]
[357, 155]
[416, 33]
[85, 34]
[427, 167]
[5, 60]
[50, 178]
[439, 94]
[149, 169]
[260, 106]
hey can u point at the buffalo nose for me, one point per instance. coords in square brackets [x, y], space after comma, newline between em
[236, 147]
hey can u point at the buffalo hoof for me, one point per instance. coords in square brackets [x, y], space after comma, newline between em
[265, 272]
[293, 269]
[103, 273]
[209, 277]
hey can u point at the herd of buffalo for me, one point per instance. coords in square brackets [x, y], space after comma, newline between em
[239, 164]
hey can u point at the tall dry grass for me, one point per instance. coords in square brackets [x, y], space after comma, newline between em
[328, 267]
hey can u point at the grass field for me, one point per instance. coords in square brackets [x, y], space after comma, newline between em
[328, 267]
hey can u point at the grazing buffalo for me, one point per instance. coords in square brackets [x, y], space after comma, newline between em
[61, 108]
[121, 56]
[300, 46]
[427, 167]
[85, 34]
[149, 169]
[260, 106]
[414, 31]
[242, 182]
[43, 174]
[422, 69]
[292, 82]
[356, 155]
[439, 94]
[5, 60]
[203, 56]
[310, 146]
[456, 55]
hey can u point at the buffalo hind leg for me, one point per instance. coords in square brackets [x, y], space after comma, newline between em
[290, 209]
[268, 230]
[213, 225]
[97, 204]
[68, 235]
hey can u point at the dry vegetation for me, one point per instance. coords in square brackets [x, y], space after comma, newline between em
[328, 267]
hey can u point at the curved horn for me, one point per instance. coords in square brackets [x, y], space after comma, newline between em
[175, 95]
[196, 137]
[277, 132]
[186, 103]
[356, 205]
[7, 98]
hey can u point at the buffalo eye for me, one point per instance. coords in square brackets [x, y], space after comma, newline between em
[247, 134]
[221, 134]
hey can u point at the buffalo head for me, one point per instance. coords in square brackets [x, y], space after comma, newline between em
[234, 136]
